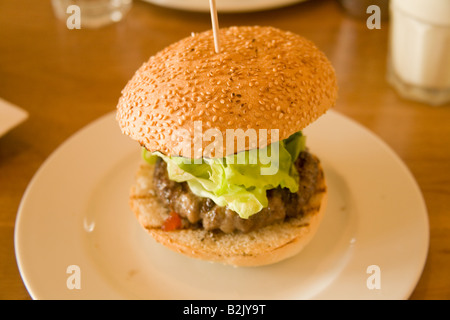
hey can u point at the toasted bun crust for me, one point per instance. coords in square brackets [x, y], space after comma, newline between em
[263, 78]
[268, 245]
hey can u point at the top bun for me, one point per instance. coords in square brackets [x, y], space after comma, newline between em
[263, 78]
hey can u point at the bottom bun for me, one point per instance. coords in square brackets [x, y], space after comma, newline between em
[264, 246]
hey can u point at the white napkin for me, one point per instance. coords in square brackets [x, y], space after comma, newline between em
[10, 116]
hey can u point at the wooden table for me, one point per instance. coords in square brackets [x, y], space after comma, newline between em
[67, 78]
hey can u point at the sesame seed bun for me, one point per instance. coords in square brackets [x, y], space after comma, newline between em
[263, 78]
[264, 246]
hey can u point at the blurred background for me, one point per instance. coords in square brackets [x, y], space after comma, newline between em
[65, 78]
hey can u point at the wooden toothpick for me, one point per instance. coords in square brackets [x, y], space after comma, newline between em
[215, 24]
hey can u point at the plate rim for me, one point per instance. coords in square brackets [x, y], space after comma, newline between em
[224, 7]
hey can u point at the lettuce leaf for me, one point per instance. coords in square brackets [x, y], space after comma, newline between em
[239, 181]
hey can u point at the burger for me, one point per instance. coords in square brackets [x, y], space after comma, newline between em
[226, 175]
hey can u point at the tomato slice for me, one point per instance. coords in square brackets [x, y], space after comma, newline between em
[173, 222]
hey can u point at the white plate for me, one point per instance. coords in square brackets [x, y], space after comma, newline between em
[224, 5]
[75, 212]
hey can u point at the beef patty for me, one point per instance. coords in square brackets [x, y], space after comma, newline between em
[197, 212]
